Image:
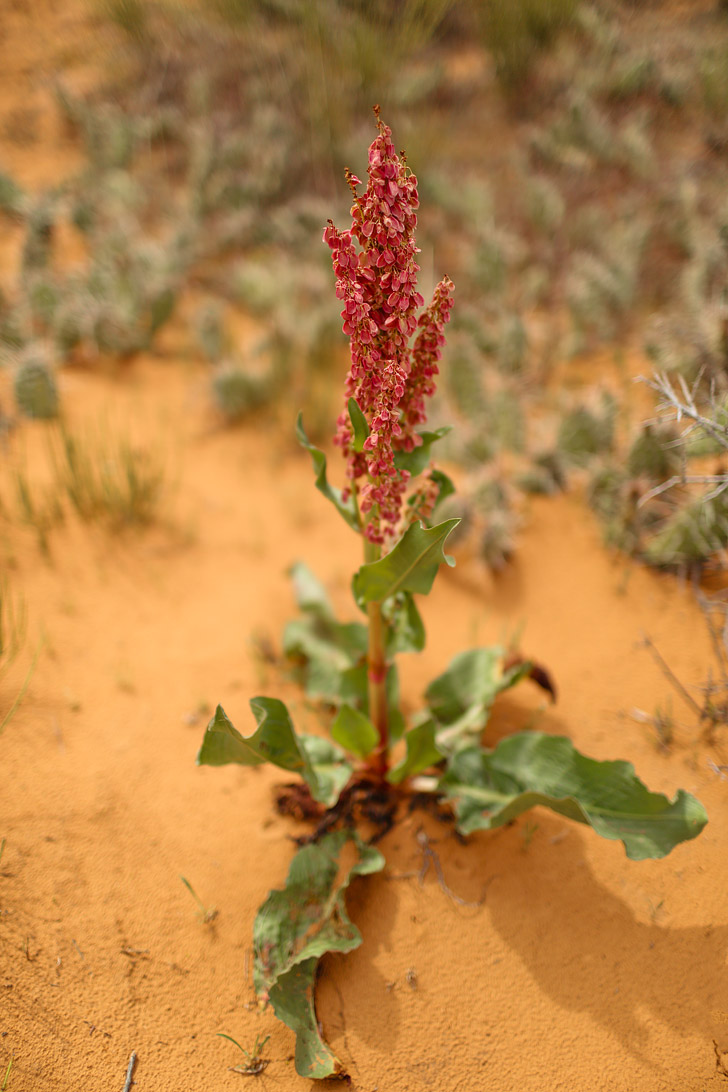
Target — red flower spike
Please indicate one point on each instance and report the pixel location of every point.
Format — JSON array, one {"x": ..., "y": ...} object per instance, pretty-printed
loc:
[{"x": 377, "y": 284}]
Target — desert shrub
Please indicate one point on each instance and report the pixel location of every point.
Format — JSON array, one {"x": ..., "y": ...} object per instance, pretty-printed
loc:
[
  {"x": 34, "y": 384},
  {"x": 237, "y": 393},
  {"x": 210, "y": 330},
  {"x": 585, "y": 432},
  {"x": 515, "y": 33},
  {"x": 12, "y": 198}
]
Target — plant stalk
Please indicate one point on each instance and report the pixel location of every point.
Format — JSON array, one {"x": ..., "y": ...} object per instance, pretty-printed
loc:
[
  {"x": 377, "y": 674},
  {"x": 377, "y": 686}
]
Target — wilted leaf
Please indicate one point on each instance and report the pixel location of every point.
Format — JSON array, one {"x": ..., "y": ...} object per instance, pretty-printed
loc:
[
  {"x": 489, "y": 788},
  {"x": 346, "y": 508},
  {"x": 411, "y": 565},
  {"x": 296, "y": 926},
  {"x": 422, "y": 752}
]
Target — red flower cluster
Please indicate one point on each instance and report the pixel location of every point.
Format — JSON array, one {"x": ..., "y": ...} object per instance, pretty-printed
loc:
[{"x": 377, "y": 284}]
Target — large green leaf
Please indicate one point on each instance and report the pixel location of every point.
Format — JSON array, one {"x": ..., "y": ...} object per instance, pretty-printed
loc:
[
  {"x": 460, "y": 698},
  {"x": 295, "y": 926},
  {"x": 489, "y": 788},
  {"x": 422, "y": 751},
  {"x": 346, "y": 508},
  {"x": 416, "y": 460},
  {"x": 411, "y": 565},
  {"x": 275, "y": 741}
]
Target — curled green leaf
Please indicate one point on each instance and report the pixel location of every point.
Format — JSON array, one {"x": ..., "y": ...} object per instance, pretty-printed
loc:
[
  {"x": 411, "y": 565},
  {"x": 489, "y": 788},
  {"x": 295, "y": 926},
  {"x": 347, "y": 509},
  {"x": 460, "y": 698},
  {"x": 276, "y": 741}
]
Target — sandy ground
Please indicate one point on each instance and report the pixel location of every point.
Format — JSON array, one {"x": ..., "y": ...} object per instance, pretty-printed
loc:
[{"x": 581, "y": 970}]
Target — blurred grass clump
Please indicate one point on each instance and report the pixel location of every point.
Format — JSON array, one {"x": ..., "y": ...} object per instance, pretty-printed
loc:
[{"x": 572, "y": 168}]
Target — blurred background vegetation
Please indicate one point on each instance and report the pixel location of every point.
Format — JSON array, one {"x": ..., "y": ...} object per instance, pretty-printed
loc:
[{"x": 573, "y": 168}]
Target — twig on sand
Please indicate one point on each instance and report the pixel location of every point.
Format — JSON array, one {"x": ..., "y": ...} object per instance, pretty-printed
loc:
[
  {"x": 648, "y": 643},
  {"x": 130, "y": 1072}
]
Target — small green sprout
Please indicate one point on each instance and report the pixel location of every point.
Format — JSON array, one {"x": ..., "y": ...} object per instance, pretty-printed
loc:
[
  {"x": 255, "y": 1064},
  {"x": 207, "y": 914}
]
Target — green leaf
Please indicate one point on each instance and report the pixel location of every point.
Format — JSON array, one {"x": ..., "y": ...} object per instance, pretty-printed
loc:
[
  {"x": 411, "y": 565},
  {"x": 354, "y": 687},
  {"x": 472, "y": 678},
  {"x": 406, "y": 630},
  {"x": 354, "y": 690},
  {"x": 445, "y": 484},
  {"x": 354, "y": 731},
  {"x": 489, "y": 788},
  {"x": 359, "y": 425},
  {"x": 309, "y": 591},
  {"x": 416, "y": 460},
  {"x": 460, "y": 699},
  {"x": 327, "y": 651},
  {"x": 330, "y": 765},
  {"x": 347, "y": 509},
  {"x": 422, "y": 752},
  {"x": 275, "y": 741},
  {"x": 222, "y": 744},
  {"x": 295, "y": 926}
]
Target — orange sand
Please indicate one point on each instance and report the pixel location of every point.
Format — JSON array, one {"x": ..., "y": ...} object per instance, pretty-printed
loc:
[{"x": 582, "y": 969}]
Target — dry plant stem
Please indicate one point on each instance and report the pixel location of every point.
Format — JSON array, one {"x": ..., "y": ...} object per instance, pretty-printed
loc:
[{"x": 130, "y": 1072}]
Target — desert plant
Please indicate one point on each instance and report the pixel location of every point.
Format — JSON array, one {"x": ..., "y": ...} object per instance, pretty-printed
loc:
[
  {"x": 584, "y": 432},
  {"x": 390, "y": 502},
  {"x": 210, "y": 331},
  {"x": 237, "y": 393},
  {"x": 515, "y": 33},
  {"x": 108, "y": 478},
  {"x": 34, "y": 384}
]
